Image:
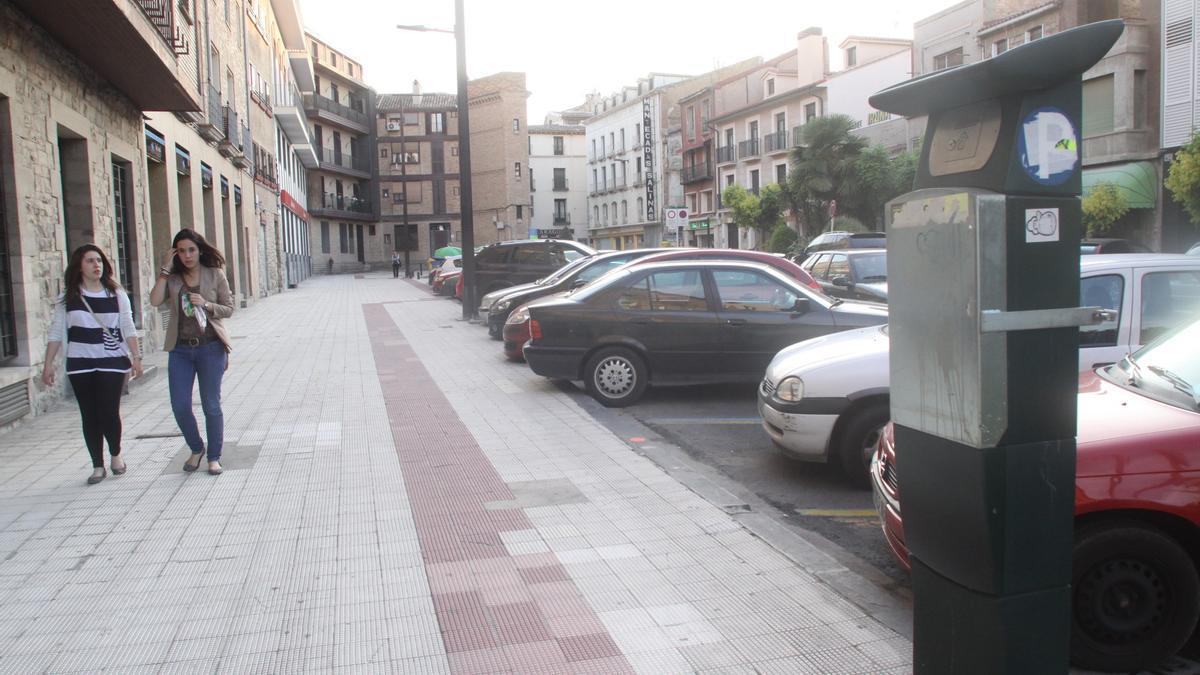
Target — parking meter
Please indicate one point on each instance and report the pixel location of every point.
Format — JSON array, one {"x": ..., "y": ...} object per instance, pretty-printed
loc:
[{"x": 983, "y": 277}]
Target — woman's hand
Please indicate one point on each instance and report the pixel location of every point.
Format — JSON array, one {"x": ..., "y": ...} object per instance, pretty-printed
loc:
[
  {"x": 137, "y": 368},
  {"x": 168, "y": 258},
  {"x": 48, "y": 374},
  {"x": 197, "y": 299}
]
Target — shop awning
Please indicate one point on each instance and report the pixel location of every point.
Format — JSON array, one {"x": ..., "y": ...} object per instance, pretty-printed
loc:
[{"x": 1136, "y": 181}]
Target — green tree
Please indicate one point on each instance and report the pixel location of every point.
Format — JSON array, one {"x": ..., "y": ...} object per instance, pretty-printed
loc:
[
  {"x": 783, "y": 239},
  {"x": 823, "y": 169},
  {"x": 1183, "y": 180},
  {"x": 1103, "y": 207},
  {"x": 761, "y": 212}
]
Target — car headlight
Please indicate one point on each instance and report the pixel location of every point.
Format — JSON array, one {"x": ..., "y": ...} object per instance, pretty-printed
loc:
[
  {"x": 500, "y": 306},
  {"x": 790, "y": 389},
  {"x": 521, "y": 315}
]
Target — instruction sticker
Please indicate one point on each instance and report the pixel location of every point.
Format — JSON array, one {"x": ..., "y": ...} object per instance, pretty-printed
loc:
[
  {"x": 1041, "y": 225},
  {"x": 1048, "y": 146}
]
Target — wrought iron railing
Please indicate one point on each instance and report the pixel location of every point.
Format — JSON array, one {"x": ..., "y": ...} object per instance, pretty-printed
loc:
[
  {"x": 345, "y": 160},
  {"x": 698, "y": 172},
  {"x": 749, "y": 148},
  {"x": 318, "y": 102},
  {"x": 350, "y": 203},
  {"x": 726, "y": 154},
  {"x": 776, "y": 141},
  {"x": 161, "y": 14}
]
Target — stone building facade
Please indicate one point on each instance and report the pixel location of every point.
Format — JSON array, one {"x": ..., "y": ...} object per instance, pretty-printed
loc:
[
  {"x": 558, "y": 180},
  {"x": 499, "y": 157}
]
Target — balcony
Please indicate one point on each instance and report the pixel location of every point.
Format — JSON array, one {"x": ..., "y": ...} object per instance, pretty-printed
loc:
[
  {"x": 231, "y": 141},
  {"x": 333, "y": 159},
  {"x": 145, "y": 53},
  {"x": 777, "y": 142},
  {"x": 343, "y": 206},
  {"x": 561, "y": 219},
  {"x": 726, "y": 155},
  {"x": 242, "y": 159},
  {"x": 292, "y": 120},
  {"x": 331, "y": 111},
  {"x": 696, "y": 173},
  {"x": 211, "y": 126},
  {"x": 749, "y": 149},
  {"x": 561, "y": 186}
]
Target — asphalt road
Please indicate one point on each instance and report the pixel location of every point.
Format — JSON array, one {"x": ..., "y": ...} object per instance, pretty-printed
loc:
[{"x": 719, "y": 426}]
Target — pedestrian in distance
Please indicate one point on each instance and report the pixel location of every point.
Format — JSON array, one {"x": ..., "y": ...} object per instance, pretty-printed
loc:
[
  {"x": 95, "y": 318},
  {"x": 396, "y": 261},
  {"x": 192, "y": 286}
]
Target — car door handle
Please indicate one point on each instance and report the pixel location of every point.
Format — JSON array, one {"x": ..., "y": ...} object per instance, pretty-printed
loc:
[{"x": 735, "y": 322}]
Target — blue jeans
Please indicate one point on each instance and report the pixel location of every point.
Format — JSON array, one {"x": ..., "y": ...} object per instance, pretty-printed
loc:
[{"x": 185, "y": 365}]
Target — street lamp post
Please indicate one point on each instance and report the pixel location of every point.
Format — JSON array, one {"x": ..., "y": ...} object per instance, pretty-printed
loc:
[{"x": 466, "y": 207}]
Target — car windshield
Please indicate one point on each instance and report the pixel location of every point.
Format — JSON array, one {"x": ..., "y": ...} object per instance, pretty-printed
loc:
[
  {"x": 563, "y": 271},
  {"x": 870, "y": 267},
  {"x": 1167, "y": 369}
]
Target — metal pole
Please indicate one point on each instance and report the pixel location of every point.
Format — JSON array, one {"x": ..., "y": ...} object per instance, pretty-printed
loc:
[
  {"x": 466, "y": 208},
  {"x": 404, "y": 187}
]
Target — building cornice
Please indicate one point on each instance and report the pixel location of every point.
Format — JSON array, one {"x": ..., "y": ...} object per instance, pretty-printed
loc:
[{"x": 807, "y": 90}]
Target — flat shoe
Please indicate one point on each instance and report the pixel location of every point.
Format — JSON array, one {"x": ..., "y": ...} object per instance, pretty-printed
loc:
[
  {"x": 92, "y": 480},
  {"x": 217, "y": 471},
  {"x": 118, "y": 472},
  {"x": 189, "y": 467}
]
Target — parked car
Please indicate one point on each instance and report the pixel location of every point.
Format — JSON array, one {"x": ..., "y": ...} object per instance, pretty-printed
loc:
[
  {"x": 509, "y": 263},
  {"x": 489, "y": 299},
  {"x": 1135, "y": 593},
  {"x": 854, "y": 274},
  {"x": 775, "y": 260},
  {"x": 838, "y": 239},
  {"x": 678, "y": 322},
  {"x": 574, "y": 275},
  {"x": 823, "y": 399},
  {"x": 448, "y": 263},
  {"x": 1194, "y": 250},
  {"x": 1110, "y": 245},
  {"x": 447, "y": 283}
]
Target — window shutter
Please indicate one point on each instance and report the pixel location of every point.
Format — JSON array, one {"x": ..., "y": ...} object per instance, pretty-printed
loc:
[
  {"x": 1098, "y": 106},
  {"x": 1178, "y": 68}
]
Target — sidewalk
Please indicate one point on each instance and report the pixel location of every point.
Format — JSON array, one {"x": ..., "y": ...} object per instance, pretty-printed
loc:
[{"x": 397, "y": 498}]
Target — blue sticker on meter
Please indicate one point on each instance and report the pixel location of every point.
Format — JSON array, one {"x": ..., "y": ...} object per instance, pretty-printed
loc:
[{"x": 1048, "y": 146}]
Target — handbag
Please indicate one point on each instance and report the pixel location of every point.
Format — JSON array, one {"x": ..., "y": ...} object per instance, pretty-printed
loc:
[{"x": 111, "y": 342}]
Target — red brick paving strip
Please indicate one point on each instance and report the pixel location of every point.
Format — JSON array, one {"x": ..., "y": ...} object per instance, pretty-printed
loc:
[{"x": 497, "y": 612}]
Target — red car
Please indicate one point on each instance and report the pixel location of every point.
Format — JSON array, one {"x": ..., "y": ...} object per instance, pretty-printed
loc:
[
  {"x": 777, "y": 261},
  {"x": 516, "y": 333},
  {"x": 1134, "y": 578}
]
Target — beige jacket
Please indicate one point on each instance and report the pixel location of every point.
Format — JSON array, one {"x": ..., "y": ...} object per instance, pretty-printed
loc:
[{"x": 218, "y": 304}]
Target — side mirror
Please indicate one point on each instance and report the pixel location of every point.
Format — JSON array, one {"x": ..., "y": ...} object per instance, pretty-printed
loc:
[
  {"x": 801, "y": 306},
  {"x": 842, "y": 281}
]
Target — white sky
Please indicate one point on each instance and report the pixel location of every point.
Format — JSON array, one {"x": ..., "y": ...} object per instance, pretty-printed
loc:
[{"x": 567, "y": 49}]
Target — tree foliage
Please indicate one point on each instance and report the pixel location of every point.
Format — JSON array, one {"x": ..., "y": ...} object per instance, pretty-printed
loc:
[
  {"x": 1183, "y": 179},
  {"x": 1103, "y": 207},
  {"x": 783, "y": 238},
  {"x": 761, "y": 212}
]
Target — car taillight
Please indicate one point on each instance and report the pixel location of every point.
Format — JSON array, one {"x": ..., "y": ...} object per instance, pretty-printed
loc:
[{"x": 535, "y": 330}]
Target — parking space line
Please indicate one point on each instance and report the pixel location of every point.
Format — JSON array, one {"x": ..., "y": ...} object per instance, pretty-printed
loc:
[
  {"x": 702, "y": 420},
  {"x": 838, "y": 513}
]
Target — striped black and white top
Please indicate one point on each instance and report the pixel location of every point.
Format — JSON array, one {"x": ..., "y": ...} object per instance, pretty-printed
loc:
[{"x": 88, "y": 348}]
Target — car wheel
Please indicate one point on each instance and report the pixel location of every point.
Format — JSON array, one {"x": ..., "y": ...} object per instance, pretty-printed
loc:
[
  {"x": 858, "y": 440},
  {"x": 616, "y": 377},
  {"x": 494, "y": 332},
  {"x": 1136, "y": 597}
]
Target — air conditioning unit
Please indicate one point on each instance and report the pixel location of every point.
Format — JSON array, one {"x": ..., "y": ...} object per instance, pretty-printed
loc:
[
  {"x": 394, "y": 125},
  {"x": 499, "y": 224}
]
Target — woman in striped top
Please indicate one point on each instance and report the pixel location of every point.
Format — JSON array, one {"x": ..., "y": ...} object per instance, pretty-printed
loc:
[{"x": 96, "y": 320}]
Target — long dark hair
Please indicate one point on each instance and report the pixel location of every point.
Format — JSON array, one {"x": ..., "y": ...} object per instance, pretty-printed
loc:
[
  {"x": 73, "y": 277},
  {"x": 209, "y": 255}
]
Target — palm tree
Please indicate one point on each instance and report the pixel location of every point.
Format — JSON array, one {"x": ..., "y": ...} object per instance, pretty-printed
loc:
[{"x": 823, "y": 169}]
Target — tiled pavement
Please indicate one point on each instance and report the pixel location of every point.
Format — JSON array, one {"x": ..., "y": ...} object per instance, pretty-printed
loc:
[{"x": 397, "y": 498}]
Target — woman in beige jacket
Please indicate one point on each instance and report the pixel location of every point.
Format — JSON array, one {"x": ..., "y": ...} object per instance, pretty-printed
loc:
[{"x": 193, "y": 288}]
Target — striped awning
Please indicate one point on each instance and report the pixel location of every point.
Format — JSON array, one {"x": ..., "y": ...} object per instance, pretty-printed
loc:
[{"x": 1136, "y": 181}]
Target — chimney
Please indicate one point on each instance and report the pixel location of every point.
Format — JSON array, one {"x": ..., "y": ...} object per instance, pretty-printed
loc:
[{"x": 416, "y": 88}]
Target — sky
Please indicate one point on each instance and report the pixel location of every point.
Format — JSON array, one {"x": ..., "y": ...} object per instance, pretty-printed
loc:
[{"x": 567, "y": 49}]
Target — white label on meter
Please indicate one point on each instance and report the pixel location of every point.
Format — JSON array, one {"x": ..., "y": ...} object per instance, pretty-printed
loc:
[{"x": 1041, "y": 225}]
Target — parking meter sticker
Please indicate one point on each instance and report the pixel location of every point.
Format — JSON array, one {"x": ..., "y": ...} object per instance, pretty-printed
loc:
[
  {"x": 1048, "y": 145},
  {"x": 1041, "y": 225}
]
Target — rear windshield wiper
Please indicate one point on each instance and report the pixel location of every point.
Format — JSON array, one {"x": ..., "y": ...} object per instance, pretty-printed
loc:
[{"x": 1176, "y": 381}]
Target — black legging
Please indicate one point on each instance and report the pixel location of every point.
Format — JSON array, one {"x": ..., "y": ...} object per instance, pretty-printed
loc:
[{"x": 99, "y": 396}]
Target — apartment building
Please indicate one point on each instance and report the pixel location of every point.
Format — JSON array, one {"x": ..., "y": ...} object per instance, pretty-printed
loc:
[
  {"x": 696, "y": 175},
  {"x": 557, "y": 180},
  {"x": 343, "y": 190},
  {"x": 872, "y": 64},
  {"x": 417, "y": 138},
  {"x": 499, "y": 157}
]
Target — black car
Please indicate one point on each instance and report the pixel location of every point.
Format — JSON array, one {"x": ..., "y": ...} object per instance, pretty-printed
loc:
[
  {"x": 685, "y": 322},
  {"x": 509, "y": 263},
  {"x": 1111, "y": 245},
  {"x": 837, "y": 239},
  {"x": 854, "y": 274},
  {"x": 573, "y": 275}
]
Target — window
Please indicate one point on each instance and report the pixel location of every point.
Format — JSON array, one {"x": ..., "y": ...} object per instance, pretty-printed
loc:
[
  {"x": 343, "y": 237},
  {"x": 851, "y": 57},
  {"x": 839, "y": 266},
  {"x": 560, "y": 178},
  {"x": 781, "y": 173},
  {"x": 999, "y": 46},
  {"x": 595, "y": 215},
  {"x": 622, "y": 140},
  {"x": 810, "y": 111},
  {"x": 754, "y": 181},
  {"x": 752, "y": 292},
  {"x": 454, "y": 151},
  {"x": 324, "y": 223},
  {"x": 333, "y": 58},
  {"x": 520, "y": 212},
  {"x": 516, "y": 125},
  {"x": 516, "y": 169},
  {"x": 383, "y": 152},
  {"x": 1034, "y": 33},
  {"x": 754, "y": 130},
  {"x": 691, "y": 121},
  {"x": 771, "y": 87},
  {"x": 604, "y": 214},
  {"x": 676, "y": 291},
  {"x": 558, "y": 145},
  {"x": 624, "y": 212},
  {"x": 640, "y": 209},
  {"x": 560, "y": 209},
  {"x": 437, "y": 123},
  {"x": 1098, "y": 98},
  {"x": 1105, "y": 291},
  {"x": 1168, "y": 300},
  {"x": 949, "y": 59},
  {"x": 533, "y": 255},
  {"x": 781, "y": 121}
]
